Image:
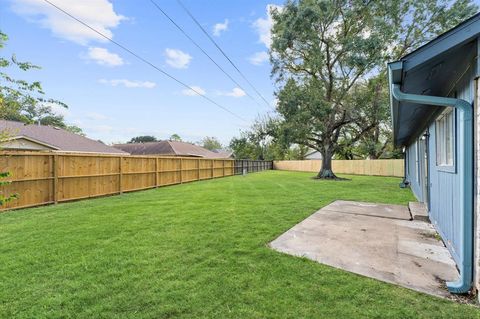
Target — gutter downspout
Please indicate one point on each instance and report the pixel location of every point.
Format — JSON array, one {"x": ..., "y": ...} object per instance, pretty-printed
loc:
[
  {"x": 404, "y": 183},
  {"x": 464, "y": 284}
]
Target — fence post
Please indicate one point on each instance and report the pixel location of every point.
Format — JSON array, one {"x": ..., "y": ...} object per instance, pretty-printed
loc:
[
  {"x": 55, "y": 179},
  {"x": 223, "y": 167},
  {"x": 181, "y": 171},
  {"x": 198, "y": 169},
  {"x": 156, "y": 172},
  {"x": 213, "y": 164},
  {"x": 120, "y": 175}
]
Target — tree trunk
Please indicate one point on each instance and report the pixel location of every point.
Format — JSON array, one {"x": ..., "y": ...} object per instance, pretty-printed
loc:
[{"x": 326, "y": 171}]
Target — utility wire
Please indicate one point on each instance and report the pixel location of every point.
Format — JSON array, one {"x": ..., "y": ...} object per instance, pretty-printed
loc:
[
  {"x": 200, "y": 48},
  {"x": 220, "y": 49},
  {"x": 145, "y": 61}
]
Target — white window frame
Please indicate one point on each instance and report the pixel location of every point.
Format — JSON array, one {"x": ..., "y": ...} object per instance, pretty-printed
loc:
[{"x": 445, "y": 140}]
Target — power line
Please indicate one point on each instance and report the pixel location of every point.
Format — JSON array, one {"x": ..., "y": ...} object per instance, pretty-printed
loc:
[
  {"x": 145, "y": 61},
  {"x": 220, "y": 49},
  {"x": 200, "y": 48}
]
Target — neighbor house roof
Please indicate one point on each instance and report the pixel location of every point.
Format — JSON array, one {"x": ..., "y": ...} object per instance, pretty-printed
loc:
[
  {"x": 168, "y": 148},
  {"x": 223, "y": 153},
  {"x": 55, "y": 139},
  {"x": 431, "y": 70}
]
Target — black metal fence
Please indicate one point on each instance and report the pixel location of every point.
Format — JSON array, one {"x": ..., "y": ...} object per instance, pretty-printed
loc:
[{"x": 251, "y": 166}]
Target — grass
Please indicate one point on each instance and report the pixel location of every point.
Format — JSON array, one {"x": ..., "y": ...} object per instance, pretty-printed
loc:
[{"x": 196, "y": 250}]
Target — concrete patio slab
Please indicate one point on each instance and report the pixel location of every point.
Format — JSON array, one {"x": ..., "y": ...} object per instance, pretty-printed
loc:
[
  {"x": 377, "y": 241},
  {"x": 370, "y": 209}
]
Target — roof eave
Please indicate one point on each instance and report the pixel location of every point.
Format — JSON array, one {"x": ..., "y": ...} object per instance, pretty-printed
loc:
[{"x": 34, "y": 140}]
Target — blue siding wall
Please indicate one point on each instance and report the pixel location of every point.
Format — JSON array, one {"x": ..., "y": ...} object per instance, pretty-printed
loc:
[
  {"x": 445, "y": 197},
  {"x": 445, "y": 200}
]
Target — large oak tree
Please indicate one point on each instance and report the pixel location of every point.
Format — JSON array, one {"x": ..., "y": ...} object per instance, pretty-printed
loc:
[{"x": 323, "y": 51}]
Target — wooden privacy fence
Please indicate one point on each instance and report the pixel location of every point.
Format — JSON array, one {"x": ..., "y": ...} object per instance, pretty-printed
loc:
[
  {"x": 46, "y": 178},
  {"x": 251, "y": 166},
  {"x": 380, "y": 167}
]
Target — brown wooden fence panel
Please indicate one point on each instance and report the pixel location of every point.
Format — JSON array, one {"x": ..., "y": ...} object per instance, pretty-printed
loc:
[
  {"x": 44, "y": 178},
  {"x": 382, "y": 167}
]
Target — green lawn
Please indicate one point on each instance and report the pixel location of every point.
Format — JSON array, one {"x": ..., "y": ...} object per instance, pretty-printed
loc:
[{"x": 196, "y": 250}]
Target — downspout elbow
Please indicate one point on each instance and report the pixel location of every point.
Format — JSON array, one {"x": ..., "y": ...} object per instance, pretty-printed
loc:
[{"x": 464, "y": 283}]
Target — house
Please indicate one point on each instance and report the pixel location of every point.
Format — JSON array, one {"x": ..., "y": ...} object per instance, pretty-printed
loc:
[
  {"x": 223, "y": 153},
  {"x": 33, "y": 137},
  {"x": 169, "y": 148},
  {"x": 434, "y": 93},
  {"x": 313, "y": 155}
]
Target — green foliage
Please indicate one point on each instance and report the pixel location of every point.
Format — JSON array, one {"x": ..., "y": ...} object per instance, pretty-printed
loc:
[
  {"x": 75, "y": 130},
  {"x": 263, "y": 141},
  {"x": 5, "y": 198},
  {"x": 421, "y": 22},
  {"x": 143, "y": 139},
  {"x": 376, "y": 141},
  {"x": 210, "y": 143},
  {"x": 328, "y": 59},
  {"x": 417, "y": 22},
  {"x": 4, "y": 175},
  {"x": 320, "y": 51},
  {"x": 25, "y": 101},
  {"x": 175, "y": 137},
  {"x": 243, "y": 148}
]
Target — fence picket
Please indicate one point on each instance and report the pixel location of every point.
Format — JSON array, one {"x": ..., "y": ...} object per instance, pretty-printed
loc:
[
  {"x": 41, "y": 178},
  {"x": 384, "y": 167}
]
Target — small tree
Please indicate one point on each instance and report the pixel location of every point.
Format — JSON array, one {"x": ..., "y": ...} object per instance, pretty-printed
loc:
[
  {"x": 263, "y": 141},
  {"x": 175, "y": 137},
  {"x": 210, "y": 143}
]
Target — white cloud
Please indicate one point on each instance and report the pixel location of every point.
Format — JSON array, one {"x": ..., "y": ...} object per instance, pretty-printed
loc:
[
  {"x": 96, "y": 116},
  {"x": 220, "y": 27},
  {"x": 100, "y": 14},
  {"x": 177, "y": 58},
  {"x": 104, "y": 57},
  {"x": 189, "y": 92},
  {"x": 129, "y": 84},
  {"x": 235, "y": 92},
  {"x": 263, "y": 26},
  {"x": 259, "y": 58}
]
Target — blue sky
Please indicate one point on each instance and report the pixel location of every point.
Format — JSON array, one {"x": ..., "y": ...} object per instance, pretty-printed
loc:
[{"x": 113, "y": 96}]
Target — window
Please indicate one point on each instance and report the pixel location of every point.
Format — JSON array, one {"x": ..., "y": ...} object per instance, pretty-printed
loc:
[{"x": 444, "y": 136}]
